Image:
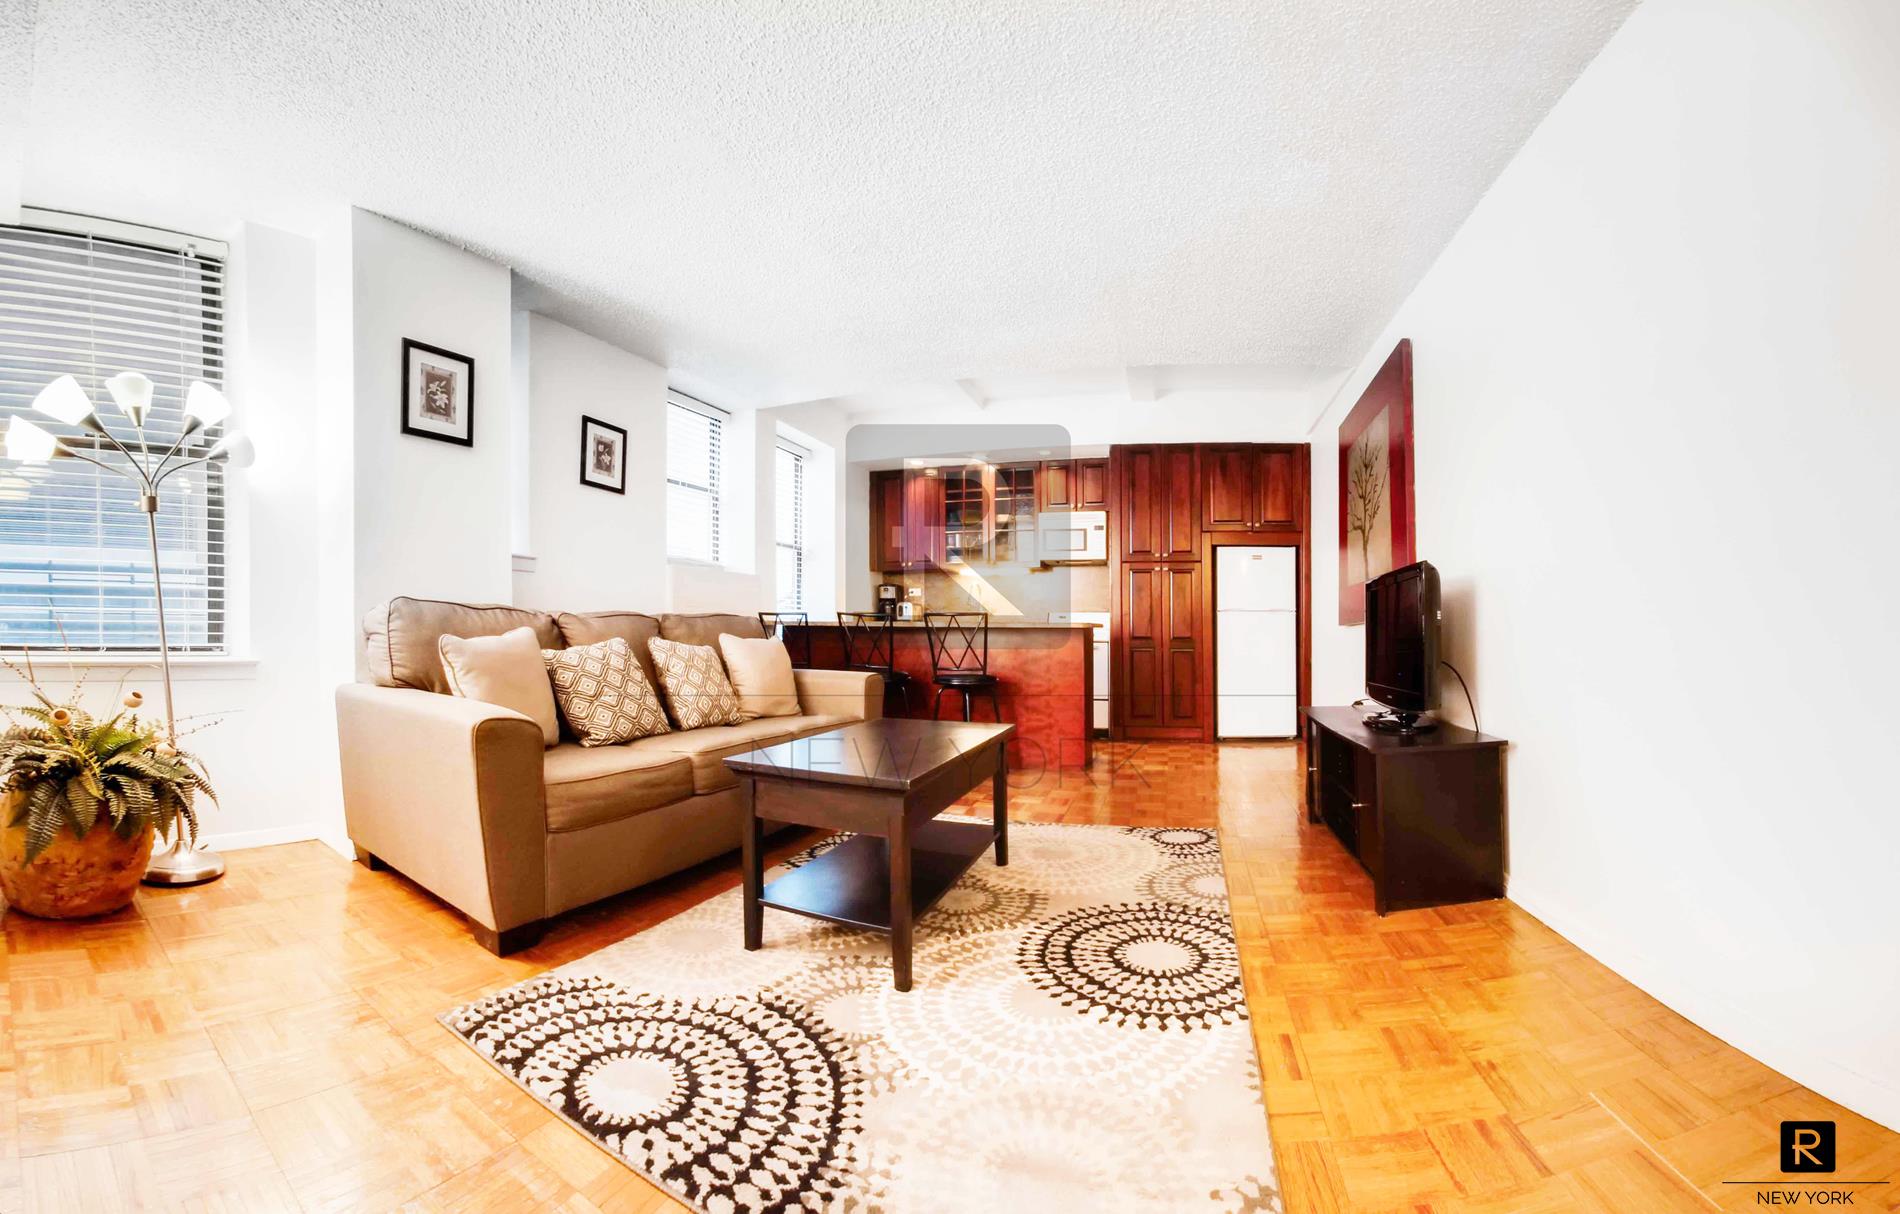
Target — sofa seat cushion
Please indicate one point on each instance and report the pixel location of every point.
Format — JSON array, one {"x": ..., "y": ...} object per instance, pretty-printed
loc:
[
  {"x": 589, "y": 785},
  {"x": 707, "y": 748}
]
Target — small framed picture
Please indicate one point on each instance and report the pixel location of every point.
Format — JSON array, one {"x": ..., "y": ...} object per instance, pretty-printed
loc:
[
  {"x": 603, "y": 455},
  {"x": 438, "y": 394}
]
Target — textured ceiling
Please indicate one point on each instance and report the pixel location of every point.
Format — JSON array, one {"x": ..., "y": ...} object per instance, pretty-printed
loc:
[{"x": 809, "y": 197}]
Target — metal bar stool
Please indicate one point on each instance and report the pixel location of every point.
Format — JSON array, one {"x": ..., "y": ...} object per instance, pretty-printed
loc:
[
  {"x": 774, "y": 623},
  {"x": 960, "y": 658},
  {"x": 870, "y": 644}
]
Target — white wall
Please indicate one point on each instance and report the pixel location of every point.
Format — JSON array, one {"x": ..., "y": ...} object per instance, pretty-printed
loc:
[
  {"x": 396, "y": 514},
  {"x": 592, "y": 548},
  {"x": 432, "y": 519},
  {"x": 1656, "y": 415}
]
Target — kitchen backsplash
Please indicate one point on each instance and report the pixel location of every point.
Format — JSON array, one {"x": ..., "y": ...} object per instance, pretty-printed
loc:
[{"x": 1012, "y": 590}]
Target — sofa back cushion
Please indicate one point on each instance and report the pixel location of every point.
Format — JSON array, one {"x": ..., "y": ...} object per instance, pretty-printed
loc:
[
  {"x": 706, "y": 629},
  {"x": 593, "y": 627},
  {"x": 400, "y": 638}
]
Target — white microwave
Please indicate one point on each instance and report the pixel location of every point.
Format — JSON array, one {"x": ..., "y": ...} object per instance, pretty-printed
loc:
[{"x": 1072, "y": 537}]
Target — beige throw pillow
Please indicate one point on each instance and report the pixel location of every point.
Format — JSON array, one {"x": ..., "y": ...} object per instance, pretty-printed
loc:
[
  {"x": 761, "y": 673},
  {"x": 504, "y": 670},
  {"x": 603, "y": 693},
  {"x": 697, "y": 691}
]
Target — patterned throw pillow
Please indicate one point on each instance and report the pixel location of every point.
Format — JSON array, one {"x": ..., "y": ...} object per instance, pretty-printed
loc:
[
  {"x": 603, "y": 693},
  {"x": 697, "y": 690}
]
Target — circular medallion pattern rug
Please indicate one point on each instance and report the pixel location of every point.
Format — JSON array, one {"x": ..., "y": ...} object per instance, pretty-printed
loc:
[{"x": 1076, "y": 1038}]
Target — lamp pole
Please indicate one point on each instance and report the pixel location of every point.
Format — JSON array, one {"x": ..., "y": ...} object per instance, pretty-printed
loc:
[
  {"x": 182, "y": 863},
  {"x": 148, "y": 502}
]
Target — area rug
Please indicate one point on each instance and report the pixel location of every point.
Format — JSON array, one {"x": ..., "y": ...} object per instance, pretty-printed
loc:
[{"x": 1076, "y": 1039}]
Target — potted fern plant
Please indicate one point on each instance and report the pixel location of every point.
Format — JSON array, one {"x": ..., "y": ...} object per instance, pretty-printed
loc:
[{"x": 82, "y": 800}]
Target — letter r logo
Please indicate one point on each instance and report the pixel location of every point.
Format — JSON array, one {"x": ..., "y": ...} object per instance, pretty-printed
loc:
[{"x": 1807, "y": 1146}]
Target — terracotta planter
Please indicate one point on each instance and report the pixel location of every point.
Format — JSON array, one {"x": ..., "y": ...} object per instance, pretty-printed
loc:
[{"x": 73, "y": 878}]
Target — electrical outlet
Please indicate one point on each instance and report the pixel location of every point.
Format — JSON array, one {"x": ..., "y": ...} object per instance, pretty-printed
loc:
[{"x": 915, "y": 592}]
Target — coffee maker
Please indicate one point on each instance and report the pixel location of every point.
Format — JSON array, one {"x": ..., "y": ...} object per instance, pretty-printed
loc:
[{"x": 889, "y": 594}]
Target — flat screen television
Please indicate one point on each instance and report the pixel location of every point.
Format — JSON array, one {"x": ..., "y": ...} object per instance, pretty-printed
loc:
[{"x": 1402, "y": 644}]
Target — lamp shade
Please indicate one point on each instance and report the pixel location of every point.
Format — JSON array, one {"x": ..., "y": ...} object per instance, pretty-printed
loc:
[
  {"x": 132, "y": 392},
  {"x": 28, "y": 443},
  {"x": 235, "y": 449},
  {"x": 64, "y": 400},
  {"x": 206, "y": 405}
]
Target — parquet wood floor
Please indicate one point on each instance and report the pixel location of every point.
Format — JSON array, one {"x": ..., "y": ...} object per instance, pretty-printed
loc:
[{"x": 268, "y": 1042}]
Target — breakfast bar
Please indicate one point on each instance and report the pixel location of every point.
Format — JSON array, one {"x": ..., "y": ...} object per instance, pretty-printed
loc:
[{"x": 1044, "y": 678}]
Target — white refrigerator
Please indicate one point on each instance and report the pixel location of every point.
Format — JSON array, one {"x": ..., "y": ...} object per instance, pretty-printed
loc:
[{"x": 1256, "y": 642}]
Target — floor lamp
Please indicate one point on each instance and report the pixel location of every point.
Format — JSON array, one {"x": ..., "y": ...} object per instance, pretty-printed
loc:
[{"x": 64, "y": 400}]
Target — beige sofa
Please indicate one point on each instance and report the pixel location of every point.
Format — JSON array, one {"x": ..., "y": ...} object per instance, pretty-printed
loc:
[{"x": 462, "y": 798}]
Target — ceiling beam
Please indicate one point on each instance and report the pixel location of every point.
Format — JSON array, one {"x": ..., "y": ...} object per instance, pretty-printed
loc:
[
  {"x": 1141, "y": 384},
  {"x": 970, "y": 389}
]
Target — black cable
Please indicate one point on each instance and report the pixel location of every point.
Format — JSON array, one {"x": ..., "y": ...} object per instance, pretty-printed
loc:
[{"x": 1468, "y": 701}]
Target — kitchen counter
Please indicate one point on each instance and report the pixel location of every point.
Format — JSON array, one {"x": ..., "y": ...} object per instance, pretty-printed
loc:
[{"x": 1045, "y": 681}]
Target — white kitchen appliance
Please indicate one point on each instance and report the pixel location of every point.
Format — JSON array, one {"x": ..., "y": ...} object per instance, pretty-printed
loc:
[
  {"x": 1098, "y": 653},
  {"x": 1256, "y": 642},
  {"x": 1072, "y": 537}
]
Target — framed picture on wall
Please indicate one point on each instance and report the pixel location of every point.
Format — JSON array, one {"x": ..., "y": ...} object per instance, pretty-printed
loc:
[
  {"x": 438, "y": 394},
  {"x": 1376, "y": 529},
  {"x": 603, "y": 455}
]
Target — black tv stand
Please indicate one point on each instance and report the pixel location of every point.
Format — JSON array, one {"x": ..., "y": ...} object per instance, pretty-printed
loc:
[{"x": 1422, "y": 812}]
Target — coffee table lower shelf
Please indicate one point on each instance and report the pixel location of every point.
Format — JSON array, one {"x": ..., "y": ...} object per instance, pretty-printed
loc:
[{"x": 851, "y": 883}]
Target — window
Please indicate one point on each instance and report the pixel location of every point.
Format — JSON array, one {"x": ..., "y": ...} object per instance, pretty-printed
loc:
[
  {"x": 75, "y": 565},
  {"x": 692, "y": 479},
  {"x": 790, "y": 511}
]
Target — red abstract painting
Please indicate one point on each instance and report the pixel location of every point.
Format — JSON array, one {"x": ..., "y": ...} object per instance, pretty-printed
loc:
[{"x": 1376, "y": 531}]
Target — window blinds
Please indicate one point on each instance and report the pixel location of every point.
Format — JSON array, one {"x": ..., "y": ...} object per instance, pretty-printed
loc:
[
  {"x": 693, "y": 438},
  {"x": 75, "y": 566},
  {"x": 789, "y": 512}
]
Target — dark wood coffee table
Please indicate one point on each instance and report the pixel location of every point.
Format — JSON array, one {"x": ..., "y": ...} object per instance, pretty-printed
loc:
[{"x": 883, "y": 781}]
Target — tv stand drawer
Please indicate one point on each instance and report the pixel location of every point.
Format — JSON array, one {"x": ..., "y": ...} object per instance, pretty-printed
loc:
[{"x": 1339, "y": 809}]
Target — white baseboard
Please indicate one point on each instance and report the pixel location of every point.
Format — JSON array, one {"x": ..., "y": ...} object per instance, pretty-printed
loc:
[
  {"x": 269, "y": 837},
  {"x": 1738, "y": 1026}
]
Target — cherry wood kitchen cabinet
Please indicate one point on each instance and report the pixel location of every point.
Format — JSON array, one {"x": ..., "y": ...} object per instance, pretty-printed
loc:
[
  {"x": 1091, "y": 484},
  {"x": 923, "y": 521},
  {"x": 887, "y": 521},
  {"x": 1173, "y": 507},
  {"x": 1228, "y": 499},
  {"x": 1072, "y": 484},
  {"x": 907, "y": 521},
  {"x": 1157, "y": 684},
  {"x": 1158, "y": 495},
  {"x": 1055, "y": 486},
  {"x": 1253, "y": 487},
  {"x": 1280, "y": 487}
]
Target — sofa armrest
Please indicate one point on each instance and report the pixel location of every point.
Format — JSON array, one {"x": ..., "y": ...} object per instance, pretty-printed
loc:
[
  {"x": 856, "y": 693},
  {"x": 449, "y": 792}
]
